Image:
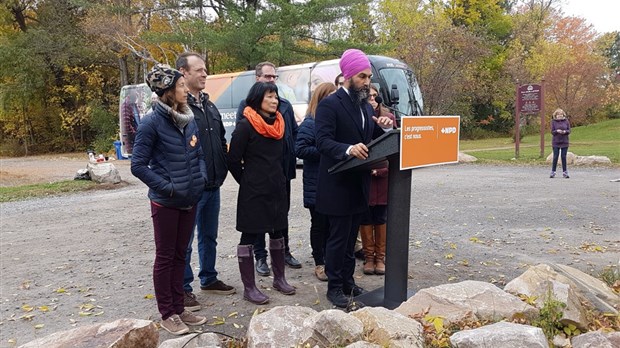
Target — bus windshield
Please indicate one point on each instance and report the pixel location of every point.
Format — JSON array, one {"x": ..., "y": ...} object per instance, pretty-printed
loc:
[{"x": 406, "y": 101}]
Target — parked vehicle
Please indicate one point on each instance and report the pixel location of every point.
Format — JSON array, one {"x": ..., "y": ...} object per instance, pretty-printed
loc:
[{"x": 396, "y": 83}]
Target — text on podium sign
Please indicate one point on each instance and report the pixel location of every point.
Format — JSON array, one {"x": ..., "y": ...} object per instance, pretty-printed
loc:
[{"x": 429, "y": 140}]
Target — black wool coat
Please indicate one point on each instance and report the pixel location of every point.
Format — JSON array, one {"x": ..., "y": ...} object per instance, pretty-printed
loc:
[
  {"x": 255, "y": 162},
  {"x": 338, "y": 124}
]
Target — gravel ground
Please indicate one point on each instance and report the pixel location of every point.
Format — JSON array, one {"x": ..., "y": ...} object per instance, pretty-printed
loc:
[{"x": 87, "y": 258}]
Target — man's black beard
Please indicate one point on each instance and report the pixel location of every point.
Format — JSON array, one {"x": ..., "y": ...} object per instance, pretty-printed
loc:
[{"x": 359, "y": 95}]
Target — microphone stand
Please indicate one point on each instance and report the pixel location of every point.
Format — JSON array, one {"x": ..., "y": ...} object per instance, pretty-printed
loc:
[{"x": 379, "y": 100}]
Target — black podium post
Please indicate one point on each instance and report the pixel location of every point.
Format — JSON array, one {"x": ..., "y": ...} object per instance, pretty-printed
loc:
[{"x": 394, "y": 291}]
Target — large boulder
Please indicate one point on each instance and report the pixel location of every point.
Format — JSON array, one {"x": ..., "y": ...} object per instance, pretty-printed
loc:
[
  {"x": 544, "y": 284},
  {"x": 330, "y": 328},
  {"x": 104, "y": 172},
  {"x": 593, "y": 339},
  {"x": 591, "y": 160},
  {"x": 390, "y": 329},
  {"x": 195, "y": 340},
  {"x": 281, "y": 326},
  {"x": 467, "y": 300},
  {"x": 465, "y": 158},
  {"x": 500, "y": 334},
  {"x": 534, "y": 283},
  {"x": 570, "y": 158},
  {"x": 122, "y": 333}
]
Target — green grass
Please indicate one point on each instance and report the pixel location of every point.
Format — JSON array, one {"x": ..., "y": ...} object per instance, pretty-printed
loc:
[
  {"x": 15, "y": 193},
  {"x": 600, "y": 139}
]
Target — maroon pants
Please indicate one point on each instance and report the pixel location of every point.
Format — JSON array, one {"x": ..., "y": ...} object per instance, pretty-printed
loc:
[{"x": 173, "y": 228}]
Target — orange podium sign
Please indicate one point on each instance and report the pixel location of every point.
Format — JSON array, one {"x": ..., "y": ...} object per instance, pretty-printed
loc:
[{"x": 429, "y": 140}]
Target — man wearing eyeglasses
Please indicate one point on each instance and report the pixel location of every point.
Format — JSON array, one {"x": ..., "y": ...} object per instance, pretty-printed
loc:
[{"x": 266, "y": 72}]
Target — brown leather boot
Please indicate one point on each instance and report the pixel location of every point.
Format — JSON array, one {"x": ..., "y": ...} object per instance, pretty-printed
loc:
[
  {"x": 380, "y": 240},
  {"x": 368, "y": 245}
]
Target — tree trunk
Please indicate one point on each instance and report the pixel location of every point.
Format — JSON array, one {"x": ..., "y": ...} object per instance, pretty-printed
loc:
[{"x": 122, "y": 65}]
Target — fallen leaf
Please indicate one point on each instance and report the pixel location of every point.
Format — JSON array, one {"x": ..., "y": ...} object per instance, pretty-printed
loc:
[
  {"x": 27, "y": 308},
  {"x": 39, "y": 326},
  {"x": 233, "y": 314},
  {"x": 43, "y": 308},
  {"x": 149, "y": 296},
  {"x": 449, "y": 256}
]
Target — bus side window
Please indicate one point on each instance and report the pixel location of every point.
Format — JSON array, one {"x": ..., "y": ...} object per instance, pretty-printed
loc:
[
  {"x": 241, "y": 86},
  {"x": 293, "y": 84}
]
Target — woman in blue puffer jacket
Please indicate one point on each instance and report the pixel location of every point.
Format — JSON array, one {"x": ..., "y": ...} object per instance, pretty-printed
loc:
[
  {"x": 168, "y": 158},
  {"x": 305, "y": 148}
]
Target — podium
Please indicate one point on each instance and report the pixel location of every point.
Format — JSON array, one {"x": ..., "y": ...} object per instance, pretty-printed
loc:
[{"x": 387, "y": 146}]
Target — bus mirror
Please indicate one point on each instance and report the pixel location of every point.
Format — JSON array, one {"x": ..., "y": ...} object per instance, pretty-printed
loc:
[{"x": 394, "y": 96}]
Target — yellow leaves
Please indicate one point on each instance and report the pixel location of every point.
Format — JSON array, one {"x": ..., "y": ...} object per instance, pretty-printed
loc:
[
  {"x": 88, "y": 309},
  {"x": 60, "y": 291},
  {"x": 475, "y": 240},
  {"x": 571, "y": 330},
  {"x": 43, "y": 308},
  {"x": 449, "y": 256},
  {"x": 464, "y": 263},
  {"x": 39, "y": 326},
  {"x": 452, "y": 246},
  {"x": 149, "y": 296},
  {"x": 233, "y": 314},
  {"x": 531, "y": 300},
  {"x": 436, "y": 321},
  {"x": 27, "y": 308},
  {"x": 218, "y": 321},
  {"x": 591, "y": 247}
]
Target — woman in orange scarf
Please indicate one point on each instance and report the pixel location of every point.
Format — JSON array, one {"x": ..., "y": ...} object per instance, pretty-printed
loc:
[{"x": 255, "y": 161}]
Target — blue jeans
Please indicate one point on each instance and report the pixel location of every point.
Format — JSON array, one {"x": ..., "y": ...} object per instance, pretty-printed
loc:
[
  {"x": 559, "y": 152},
  {"x": 207, "y": 218}
]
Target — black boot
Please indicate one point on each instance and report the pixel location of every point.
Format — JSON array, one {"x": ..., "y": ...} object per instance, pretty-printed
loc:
[
  {"x": 276, "y": 250},
  {"x": 246, "y": 268}
]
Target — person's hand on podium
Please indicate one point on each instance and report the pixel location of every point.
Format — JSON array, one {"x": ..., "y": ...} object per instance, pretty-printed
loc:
[{"x": 359, "y": 151}]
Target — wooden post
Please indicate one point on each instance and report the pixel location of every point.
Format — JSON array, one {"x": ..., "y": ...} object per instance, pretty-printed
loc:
[
  {"x": 517, "y": 123},
  {"x": 542, "y": 118}
]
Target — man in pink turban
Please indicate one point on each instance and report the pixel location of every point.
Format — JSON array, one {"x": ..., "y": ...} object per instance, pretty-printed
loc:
[{"x": 345, "y": 122}]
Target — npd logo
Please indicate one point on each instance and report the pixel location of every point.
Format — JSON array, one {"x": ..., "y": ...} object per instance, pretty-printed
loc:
[{"x": 448, "y": 130}]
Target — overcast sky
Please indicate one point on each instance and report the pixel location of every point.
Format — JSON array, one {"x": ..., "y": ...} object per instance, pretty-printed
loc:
[{"x": 604, "y": 15}]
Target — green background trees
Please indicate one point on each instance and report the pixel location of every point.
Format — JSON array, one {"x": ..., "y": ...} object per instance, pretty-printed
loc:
[{"x": 62, "y": 62}]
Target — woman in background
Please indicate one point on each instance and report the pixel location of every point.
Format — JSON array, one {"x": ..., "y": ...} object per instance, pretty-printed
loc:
[
  {"x": 305, "y": 148},
  {"x": 560, "y": 128},
  {"x": 373, "y": 228}
]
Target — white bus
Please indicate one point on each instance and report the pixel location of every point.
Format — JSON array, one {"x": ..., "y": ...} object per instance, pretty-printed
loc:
[{"x": 396, "y": 83}]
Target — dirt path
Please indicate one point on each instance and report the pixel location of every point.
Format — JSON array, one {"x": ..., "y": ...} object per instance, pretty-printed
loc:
[{"x": 87, "y": 258}]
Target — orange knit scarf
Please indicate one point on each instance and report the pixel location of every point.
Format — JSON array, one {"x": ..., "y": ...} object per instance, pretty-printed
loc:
[{"x": 275, "y": 131}]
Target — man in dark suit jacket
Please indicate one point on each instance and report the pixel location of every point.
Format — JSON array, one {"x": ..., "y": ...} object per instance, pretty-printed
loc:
[{"x": 344, "y": 124}]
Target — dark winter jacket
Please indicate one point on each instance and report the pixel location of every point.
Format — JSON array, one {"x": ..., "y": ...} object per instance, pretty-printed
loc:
[
  {"x": 560, "y": 140},
  {"x": 169, "y": 162},
  {"x": 305, "y": 148},
  {"x": 212, "y": 138},
  {"x": 290, "y": 134},
  {"x": 255, "y": 162}
]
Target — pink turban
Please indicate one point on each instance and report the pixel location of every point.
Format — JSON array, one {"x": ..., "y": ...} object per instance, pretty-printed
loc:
[{"x": 352, "y": 62}]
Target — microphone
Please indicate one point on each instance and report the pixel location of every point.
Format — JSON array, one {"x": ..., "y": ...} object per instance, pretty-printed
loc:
[{"x": 379, "y": 100}]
